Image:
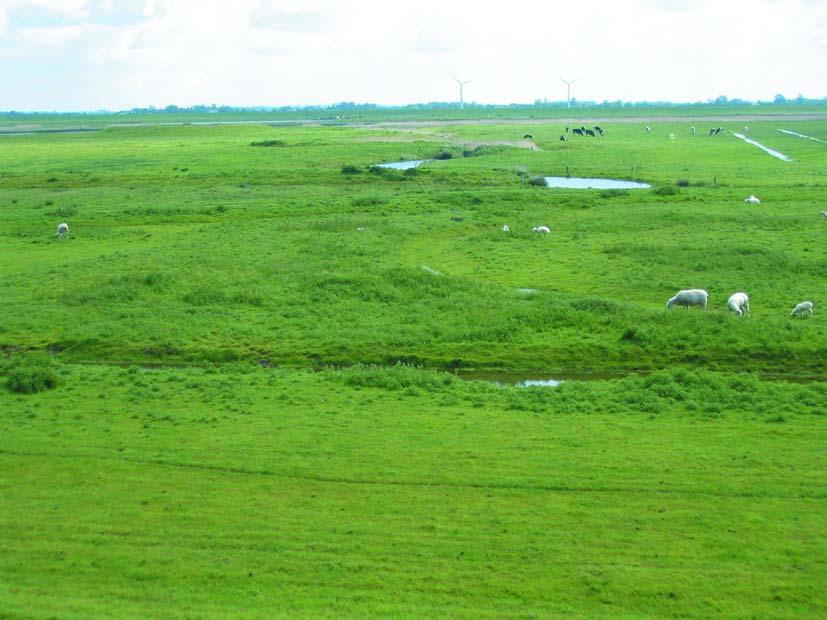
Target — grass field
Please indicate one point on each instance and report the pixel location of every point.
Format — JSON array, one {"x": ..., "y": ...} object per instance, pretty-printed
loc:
[{"x": 243, "y": 403}]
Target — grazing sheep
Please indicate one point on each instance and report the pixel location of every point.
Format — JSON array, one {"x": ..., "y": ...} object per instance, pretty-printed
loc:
[
  {"x": 738, "y": 302},
  {"x": 541, "y": 229},
  {"x": 689, "y": 297},
  {"x": 752, "y": 200},
  {"x": 506, "y": 228},
  {"x": 805, "y": 307},
  {"x": 62, "y": 230}
]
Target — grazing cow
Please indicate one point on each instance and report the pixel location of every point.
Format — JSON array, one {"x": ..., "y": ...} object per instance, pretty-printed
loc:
[
  {"x": 62, "y": 230},
  {"x": 506, "y": 228},
  {"x": 648, "y": 129},
  {"x": 528, "y": 136},
  {"x": 802, "y": 309},
  {"x": 541, "y": 229},
  {"x": 567, "y": 128},
  {"x": 752, "y": 200},
  {"x": 738, "y": 302},
  {"x": 693, "y": 130},
  {"x": 598, "y": 129},
  {"x": 824, "y": 213},
  {"x": 689, "y": 297},
  {"x": 563, "y": 138},
  {"x": 577, "y": 131},
  {"x": 712, "y": 132},
  {"x": 588, "y": 132},
  {"x": 719, "y": 130}
]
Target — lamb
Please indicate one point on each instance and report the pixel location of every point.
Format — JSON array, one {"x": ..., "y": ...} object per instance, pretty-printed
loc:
[
  {"x": 738, "y": 302},
  {"x": 689, "y": 297},
  {"x": 752, "y": 200},
  {"x": 805, "y": 307},
  {"x": 541, "y": 229},
  {"x": 62, "y": 230}
]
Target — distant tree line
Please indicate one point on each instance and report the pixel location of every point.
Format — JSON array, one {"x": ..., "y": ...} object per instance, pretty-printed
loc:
[{"x": 350, "y": 107}]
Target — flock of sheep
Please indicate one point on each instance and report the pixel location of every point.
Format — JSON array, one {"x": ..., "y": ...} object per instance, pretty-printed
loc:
[{"x": 737, "y": 302}]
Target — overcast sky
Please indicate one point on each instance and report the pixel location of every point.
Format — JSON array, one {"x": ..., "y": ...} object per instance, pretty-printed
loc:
[{"x": 117, "y": 54}]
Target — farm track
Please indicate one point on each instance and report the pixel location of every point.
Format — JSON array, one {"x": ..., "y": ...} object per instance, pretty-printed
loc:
[
  {"x": 655, "y": 118},
  {"x": 541, "y": 488}
]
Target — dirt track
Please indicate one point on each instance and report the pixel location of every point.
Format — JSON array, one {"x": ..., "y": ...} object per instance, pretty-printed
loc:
[{"x": 600, "y": 119}]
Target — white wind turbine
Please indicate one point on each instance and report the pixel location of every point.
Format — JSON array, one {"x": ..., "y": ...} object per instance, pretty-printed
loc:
[
  {"x": 568, "y": 84},
  {"x": 461, "y": 84}
]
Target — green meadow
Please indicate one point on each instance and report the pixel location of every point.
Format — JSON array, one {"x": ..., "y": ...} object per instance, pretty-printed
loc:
[{"x": 233, "y": 390}]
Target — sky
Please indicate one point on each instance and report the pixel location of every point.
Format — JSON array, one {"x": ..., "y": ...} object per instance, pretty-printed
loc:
[{"x": 78, "y": 55}]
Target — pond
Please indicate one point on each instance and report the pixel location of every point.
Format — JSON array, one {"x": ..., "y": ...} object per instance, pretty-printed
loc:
[
  {"x": 583, "y": 183},
  {"x": 403, "y": 165}
]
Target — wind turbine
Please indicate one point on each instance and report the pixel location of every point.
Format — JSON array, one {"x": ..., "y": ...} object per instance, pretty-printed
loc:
[
  {"x": 461, "y": 84},
  {"x": 568, "y": 84}
]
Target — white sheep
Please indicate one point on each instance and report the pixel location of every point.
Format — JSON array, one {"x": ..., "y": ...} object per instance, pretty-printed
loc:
[
  {"x": 541, "y": 229},
  {"x": 752, "y": 200},
  {"x": 738, "y": 302},
  {"x": 506, "y": 228},
  {"x": 805, "y": 307},
  {"x": 62, "y": 230},
  {"x": 689, "y": 297}
]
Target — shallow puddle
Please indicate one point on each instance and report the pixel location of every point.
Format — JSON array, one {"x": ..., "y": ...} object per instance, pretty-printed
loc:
[
  {"x": 529, "y": 379},
  {"x": 403, "y": 165},
  {"x": 777, "y": 154},
  {"x": 583, "y": 183}
]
